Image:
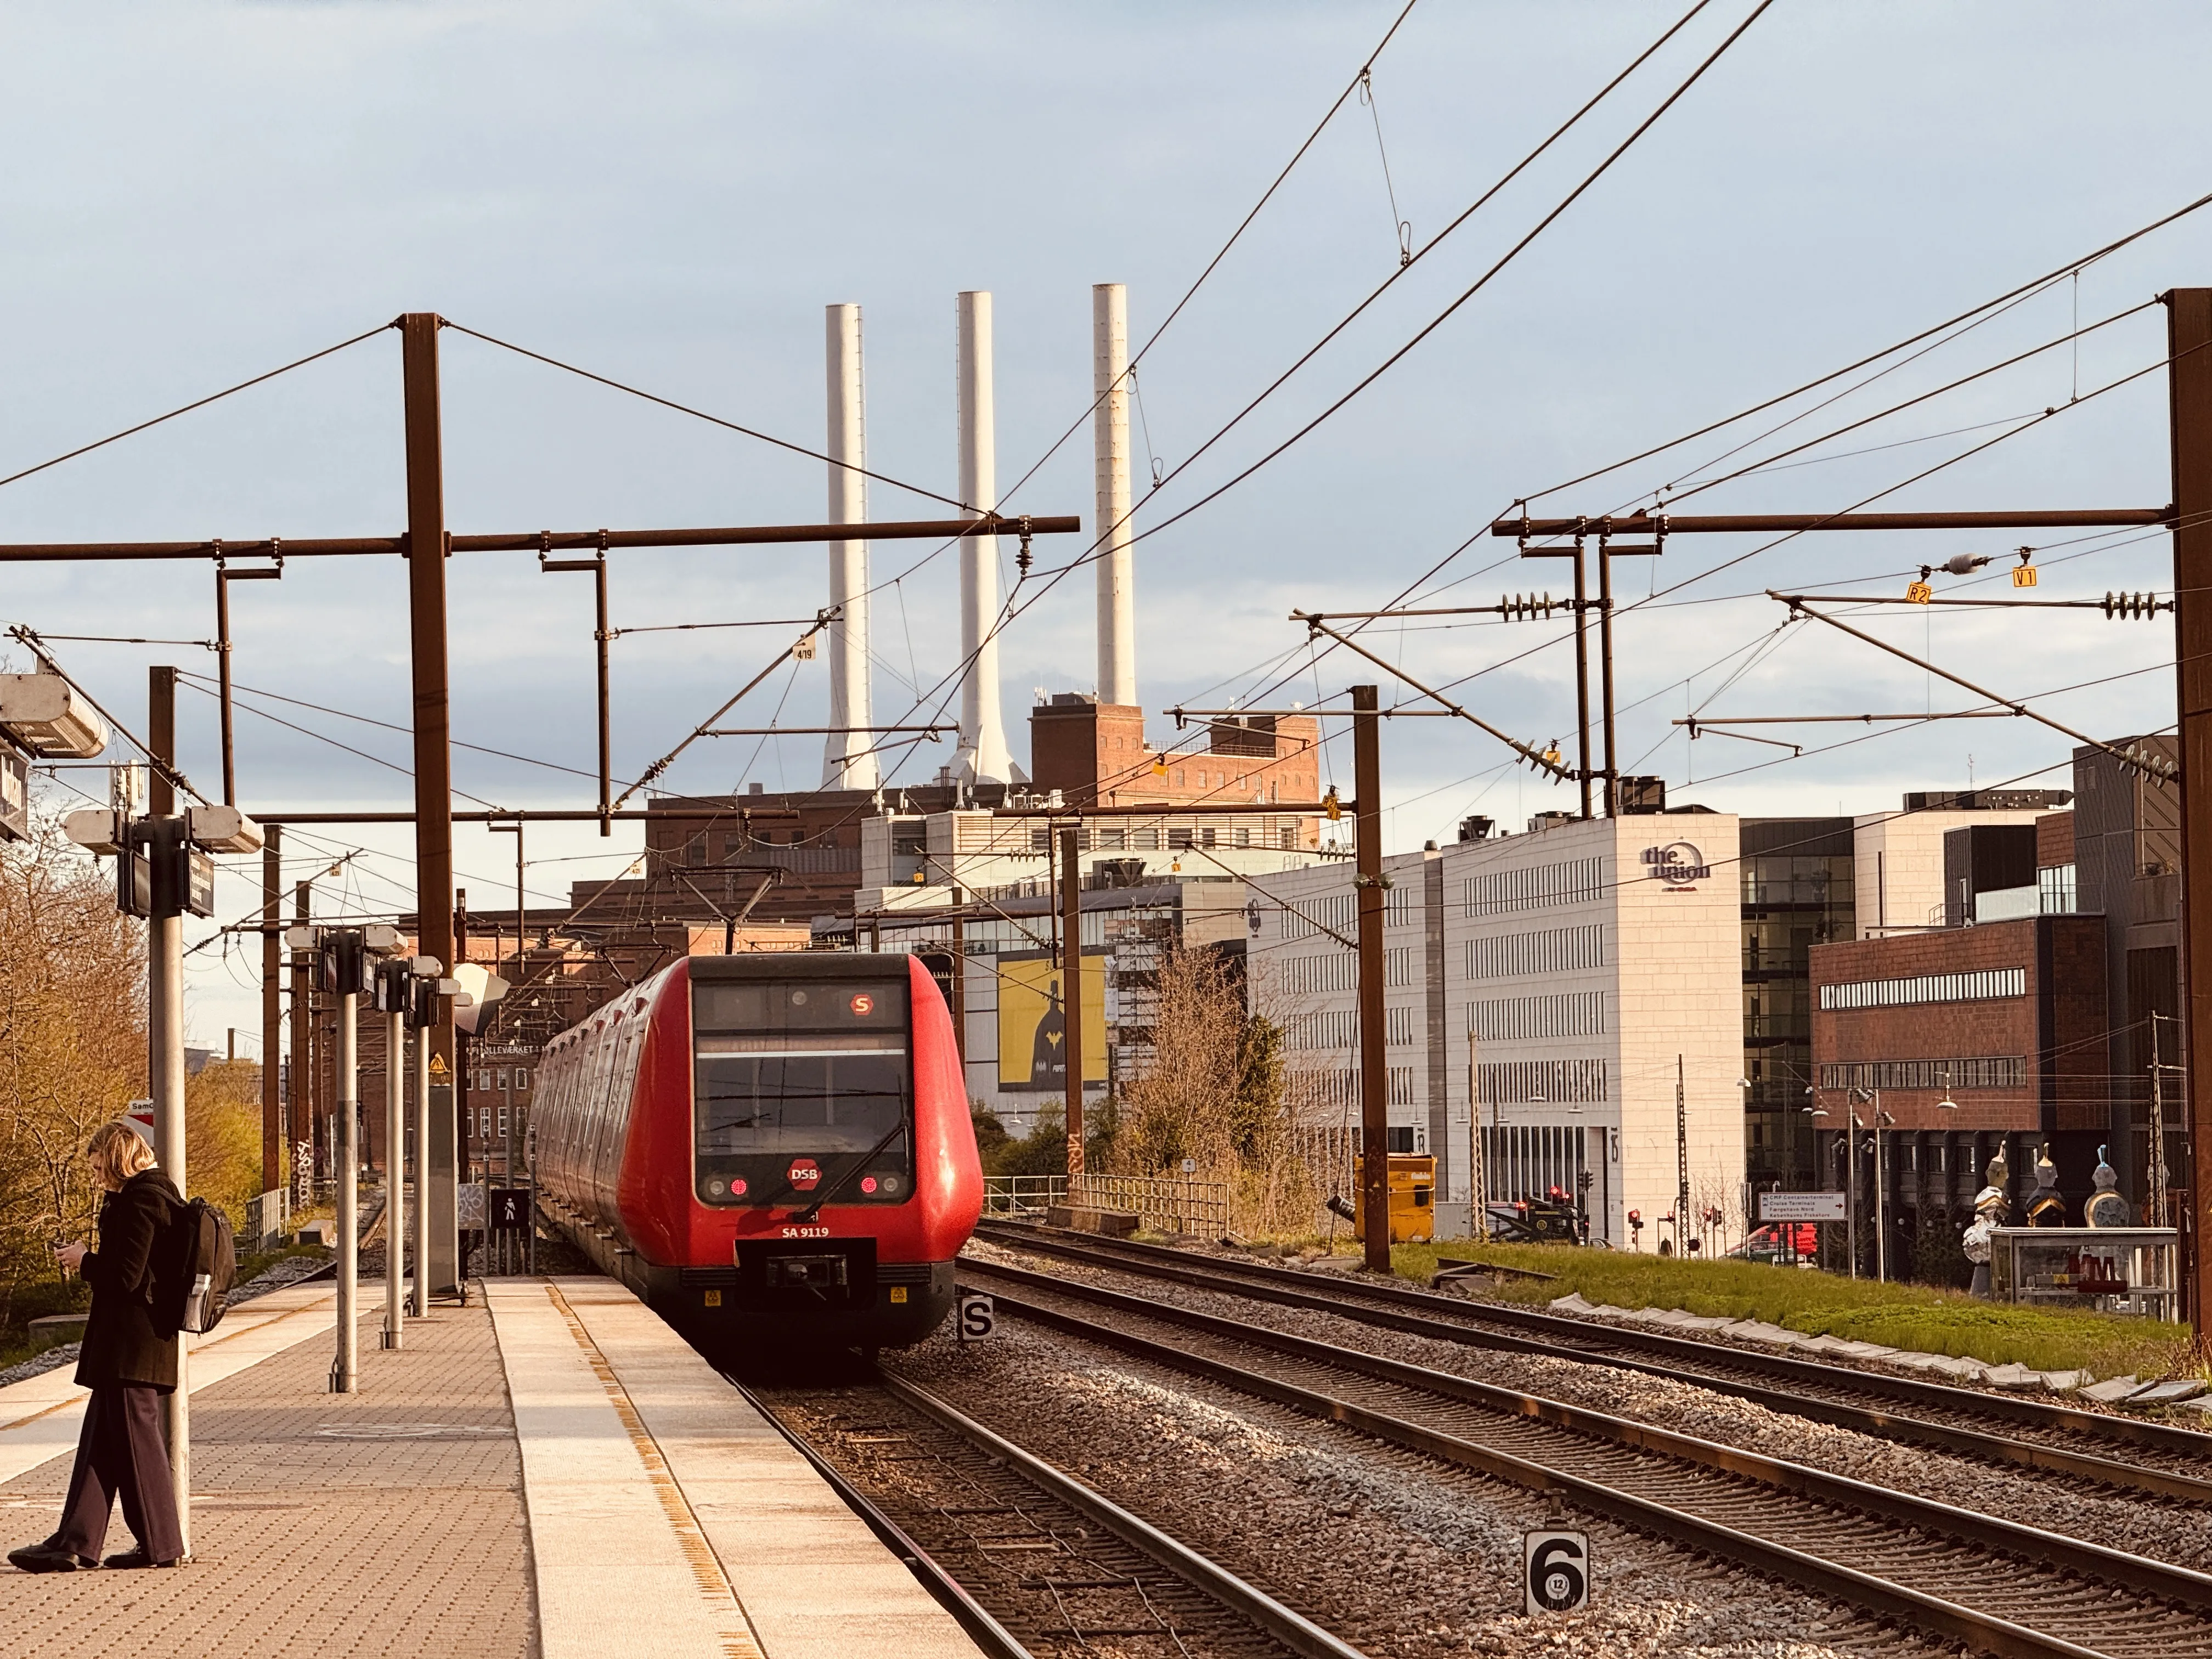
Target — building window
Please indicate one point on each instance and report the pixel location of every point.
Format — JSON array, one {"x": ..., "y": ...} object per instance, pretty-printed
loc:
[
  {"x": 1179, "y": 839},
  {"x": 1540, "y": 1083},
  {"x": 1985, "y": 986},
  {"x": 695, "y": 850},
  {"x": 1553, "y": 951},
  {"x": 1040, "y": 840},
  {"x": 1288, "y": 833},
  {"x": 1576, "y": 881},
  {"x": 1989, "y": 1071},
  {"x": 502, "y": 1123},
  {"x": 1332, "y": 1028},
  {"x": 1112, "y": 840},
  {"x": 1243, "y": 835},
  {"x": 1178, "y": 779},
  {"x": 1323, "y": 913},
  {"x": 1206, "y": 836},
  {"x": 1532, "y": 1160},
  {"x": 1398, "y": 1026},
  {"x": 1147, "y": 841},
  {"x": 1337, "y": 971},
  {"x": 1515, "y": 1019},
  {"x": 2054, "y": 889}
]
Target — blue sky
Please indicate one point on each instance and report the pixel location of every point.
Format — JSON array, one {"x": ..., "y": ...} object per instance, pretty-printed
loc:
[{"x": 669, "y": 193}]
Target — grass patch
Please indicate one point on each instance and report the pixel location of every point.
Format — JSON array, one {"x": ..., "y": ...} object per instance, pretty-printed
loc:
[{"x": 1897, "y": 1315}]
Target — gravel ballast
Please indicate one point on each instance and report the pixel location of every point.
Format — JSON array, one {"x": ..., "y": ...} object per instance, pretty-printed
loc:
[
  {"x": 1399, "y": 1555},
  {"x": 2165, "y": 1530}
]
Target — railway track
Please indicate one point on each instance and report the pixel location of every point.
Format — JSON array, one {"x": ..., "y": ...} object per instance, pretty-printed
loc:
[
  {"x": 1032, "y": 1562},
  {"x": 1995, "y": 1585},
  {"x": 2123, "y": 1453}
]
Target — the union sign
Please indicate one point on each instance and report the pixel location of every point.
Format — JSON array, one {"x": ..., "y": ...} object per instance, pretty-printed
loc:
[{"x": 1678, "y": 864}]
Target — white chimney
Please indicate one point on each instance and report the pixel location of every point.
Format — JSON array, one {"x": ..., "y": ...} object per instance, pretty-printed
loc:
[
  {"x": 982, "y": 758},
  {"x": 1110, "y": 447},
  {"x": 848, "y": 758}
]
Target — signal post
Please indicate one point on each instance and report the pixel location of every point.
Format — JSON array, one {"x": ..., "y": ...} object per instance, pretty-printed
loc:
[
  {"x": 2188, "y": 370},
  {"x": 1369, "y": 883}
]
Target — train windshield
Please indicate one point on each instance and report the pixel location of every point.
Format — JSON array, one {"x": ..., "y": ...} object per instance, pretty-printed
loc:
[{"x": 801, "y": 1088}]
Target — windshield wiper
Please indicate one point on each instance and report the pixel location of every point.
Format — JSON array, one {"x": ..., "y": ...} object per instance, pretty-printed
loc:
[{"x": 846, "y": 1179}]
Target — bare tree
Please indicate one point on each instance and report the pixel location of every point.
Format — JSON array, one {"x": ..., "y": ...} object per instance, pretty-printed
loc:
[
  {"x": 1213, "y": 1092},
  {"x": 72, "y": 1042}
]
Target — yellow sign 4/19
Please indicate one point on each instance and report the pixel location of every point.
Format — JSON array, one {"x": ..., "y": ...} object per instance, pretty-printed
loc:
[{"x": 1033, "y": 1023}]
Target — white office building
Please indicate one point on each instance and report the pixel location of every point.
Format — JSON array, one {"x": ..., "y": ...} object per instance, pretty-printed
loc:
[{"x": 1544, "y": 993}]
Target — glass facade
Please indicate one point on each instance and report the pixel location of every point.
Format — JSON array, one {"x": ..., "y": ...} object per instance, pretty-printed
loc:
[{"x": 1797, "y": 892}]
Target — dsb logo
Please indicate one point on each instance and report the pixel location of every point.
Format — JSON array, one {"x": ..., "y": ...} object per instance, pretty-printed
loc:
[
  {"x": 975, "y": 1319},
  {"x": 1556, "y": 1572}
]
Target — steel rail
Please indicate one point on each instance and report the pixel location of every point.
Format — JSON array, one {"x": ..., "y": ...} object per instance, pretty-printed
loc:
[
  {"x": 2035, "y": 1413},
  {"x": 987, "y": 1633},
  {"x": 1292, "y": 1629},
  {"x": 1933, "y": 1614},
  {"x": 2184, "y": 1586},
  {"x": 1882, "y": 1425}
]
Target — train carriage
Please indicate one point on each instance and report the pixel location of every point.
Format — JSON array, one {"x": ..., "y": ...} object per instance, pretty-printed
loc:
[{"x": 773, "y": 1149}]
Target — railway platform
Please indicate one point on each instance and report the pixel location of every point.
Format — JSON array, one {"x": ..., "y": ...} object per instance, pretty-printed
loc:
[{"x": 547, "y": 1473}]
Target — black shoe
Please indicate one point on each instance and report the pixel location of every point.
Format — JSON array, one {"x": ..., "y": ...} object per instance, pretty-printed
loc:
[
  {"x": 137, "y": 1557},
  {"x": 46, "y": 1558}
]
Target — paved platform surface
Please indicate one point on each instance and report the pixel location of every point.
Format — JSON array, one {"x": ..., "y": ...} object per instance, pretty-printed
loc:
[{"x": 547, "y": 1473}]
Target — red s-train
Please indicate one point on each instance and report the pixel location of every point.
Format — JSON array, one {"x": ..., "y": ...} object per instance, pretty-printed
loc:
[{"x": 771, "y": 1147}]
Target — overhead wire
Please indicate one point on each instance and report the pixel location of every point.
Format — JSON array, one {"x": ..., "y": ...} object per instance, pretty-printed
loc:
[
  {"x": 701, "y": 414},
  {"x": 198, "y": 403},
  {"x": 2020, "y": 291},
  {"x": 2033, "y": 285},
  {"x": 1050, "y": 579}
]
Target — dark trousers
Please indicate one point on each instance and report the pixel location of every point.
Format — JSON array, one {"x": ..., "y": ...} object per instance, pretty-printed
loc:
[{"x": 121, "y": 1454}]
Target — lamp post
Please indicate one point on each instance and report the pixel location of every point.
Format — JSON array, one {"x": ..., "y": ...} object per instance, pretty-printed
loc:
[
  {"x": 1877, "y": 1118},
  {"x": 347, "y": 964}
]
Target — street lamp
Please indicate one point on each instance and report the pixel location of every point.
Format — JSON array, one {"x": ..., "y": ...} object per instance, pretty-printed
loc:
[
  {"x": 1872, "y": 1096},
  {"x": 348, "y": 962}
]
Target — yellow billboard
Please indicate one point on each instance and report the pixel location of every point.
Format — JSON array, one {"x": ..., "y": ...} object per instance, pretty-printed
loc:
[{"x": 1033, "y": 1023}]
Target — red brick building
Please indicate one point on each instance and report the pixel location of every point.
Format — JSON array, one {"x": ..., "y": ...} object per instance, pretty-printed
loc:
[
  {"x": 1095, "y": 753},
  {"x": 2007, "y": 1020},
  {"x": 796, "y": 856}
]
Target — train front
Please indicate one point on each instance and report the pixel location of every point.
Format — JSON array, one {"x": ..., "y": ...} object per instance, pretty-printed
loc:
[{"x": 832, "y": 1168}]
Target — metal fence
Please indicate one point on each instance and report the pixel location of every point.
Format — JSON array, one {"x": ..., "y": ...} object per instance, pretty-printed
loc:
[
  {"x": 1167, "y": 1204},
  {"x": 1021, "y": 1194},
  {"x": 1327, "y": 1151},
  {"x": 268, "y": 1218}
]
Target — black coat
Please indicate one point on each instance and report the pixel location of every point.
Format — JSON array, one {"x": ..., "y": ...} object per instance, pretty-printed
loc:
[{"x": 123, "y": 1342}]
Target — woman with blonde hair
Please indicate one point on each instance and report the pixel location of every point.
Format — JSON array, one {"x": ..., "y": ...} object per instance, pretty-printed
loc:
[{"x": 129, "y": 1361}]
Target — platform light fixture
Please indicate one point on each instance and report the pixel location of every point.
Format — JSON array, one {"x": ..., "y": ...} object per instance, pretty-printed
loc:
[
  {"x": 48, "y": 716},
  {"x": 222, "y": 829}
]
